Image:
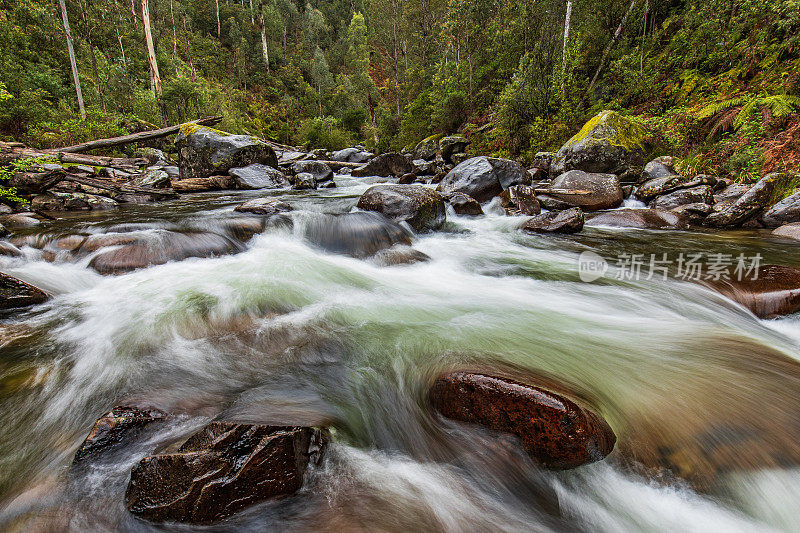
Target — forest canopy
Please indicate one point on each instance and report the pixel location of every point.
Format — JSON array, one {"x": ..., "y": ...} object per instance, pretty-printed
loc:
[{"x": 719, "y": 79}]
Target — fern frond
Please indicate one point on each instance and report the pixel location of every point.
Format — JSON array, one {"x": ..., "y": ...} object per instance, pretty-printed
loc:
[
  {"x": 782, "y": 105},
  {"x": 724, "y": 121},
  {"x": 747, "y": 112},
  {"x": 712, "y": 109}
]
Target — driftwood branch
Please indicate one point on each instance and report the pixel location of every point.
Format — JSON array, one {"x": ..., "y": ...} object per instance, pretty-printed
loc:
[
  {"x": 120, "y": 189},
  {"x": 336, "y": 165},
  {"x": 14, "y": 153},
  {"x": 134, "y": 137}
]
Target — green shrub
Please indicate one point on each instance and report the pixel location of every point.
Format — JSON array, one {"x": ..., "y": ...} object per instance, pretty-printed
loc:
[{"x": 322, "y": 133}]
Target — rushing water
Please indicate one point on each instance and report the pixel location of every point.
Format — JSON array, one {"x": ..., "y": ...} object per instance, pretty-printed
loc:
[{"x": 287, "y": 333}]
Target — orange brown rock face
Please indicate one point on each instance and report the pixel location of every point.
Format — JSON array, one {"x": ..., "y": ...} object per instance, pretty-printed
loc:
[{"x": 555, "y": 431}]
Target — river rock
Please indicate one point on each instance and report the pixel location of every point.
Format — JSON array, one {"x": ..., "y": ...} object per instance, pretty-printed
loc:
[
  {"x": 694, "y": 213},
  {"x": 658, "y": 186},
  {"x": 258, "y": 176},
  {"x": 60, "y": 201},
  {"x": 163, "y": 247},
  {"x": 221, "y": 470},
  {"x": 400, "y": 255},
  {"x": 420, "y": 206},
  {"x": 427, "y": 148},
  {"x": 453, "y": 144},
  {"x": 303, "y": 181},
  {"x": 154, "y": 179},
  {"x": 696, "y": 195},
  {"x": 407, "y": 179},
  {"x": 360, "y": 234},
  {"x": 321, "y": 171},
  {"x": 463, "y": 204},
  {"x": 9, "y": 250},
  {"x": 263, "y": 206},
  {"x": 660, "y": 167},
  {"x": 750, "y": 204},
  {"x": 62, "y": 247},
  {"x": 640, "y": 218},
  {"x": 605, "y": 190},
  {"x": 118, "y": 426},
  {"x": 483, "y": 178},
  {"x": 520, "y": 199},
  {"x": 608, "y": 143},
  {"x": 203, "y": 151},
  {"x": 727, "y": 196},
  {"x": 352, "y": 155},
  {"x": 15, "y": 293},
  {"x": 784, "y": 212},
  {"x": 555, "y": 431},
  {"x": 775, "y": 291},
  {"x": 384, "y": 165},
  {"x": 152, "y": 155},
  {"x": 101, "y": 203},
  {"x": 566, "y": 221},
  {"x": 787, "y": 231}
]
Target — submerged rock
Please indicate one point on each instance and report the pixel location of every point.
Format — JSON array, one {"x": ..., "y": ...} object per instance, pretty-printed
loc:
[
  {"x": 566, "y": 221},
  {"x": 483, "y": 178},
  {"x": 422, "y": 207},
  {"x": 204, "y": 151},
  {"x": 640, "y": 218},
  {"x": 400, "y": 255},
  {"x": 384, "y": 165},
  {"x": 115, "y": 428},
  {"x": 773, "y": 291},
  {"x": 258, "y": 176},
  {"x": 221, "y": 470},
  {"x": 605, "y": 191},
  {"x": 608, "y": 143},
  {"x": 788, "y": 231},
  {"x": 520, "y": 199},
  {"x": 263, "y": 206},
  {"x": 16, "y": 294},
  {"x": 554, "y": 430},
  {"x": 356, "y": 234},
  {"x": 463, "y": 204}
]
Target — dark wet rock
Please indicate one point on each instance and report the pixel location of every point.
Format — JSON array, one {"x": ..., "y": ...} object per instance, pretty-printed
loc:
[
  {"x": 9, "y": 250},
  {"x": 384, "y": 165},
  {"x": 163, "y": 247},
  {"x": 750, "y": 204},
  {"x": 567, "y": 221},
  {"x": 258, "y": 176},
  {"x": 784, "y": 212},
  {"x": 3, "y": 231},
  {"x": 303, "y": 181},
  {"x": 204, "y": 152},
  {"x": 640, "y": 218},
  {"x": 427, "y": 148},
  {"x": 774, "y": 291},
  {"x": 659, "y": 168},
  {"x": 605, "y": 190},
  {"x": 263, "y": 206},
  {"x": 211, "y": 183},
  {"x": 154, "y": 179},
  {"x": 321, "y": 153},
  {"x": 658, "y": 186},
  {"x": 463, "y": 204},
  {"x": 356, "y": 234},
  {"x": 15, "y": 293},
  {"x": 459, "y": 158},
  {"x": 543, "y": 161},
  {"x": 221, "y": 470},
  {"x": 420, "y": 206},
  {"x": 400, "y": 255},
  {"x": 627, "y": 190},
  {"x": 520, "y": 200},
  {"x": 554, "y": 431},
  {"x": 62, "y": 247},
  {"x": 426, "y": 168},
  {"x": 352, "y": 155},
  {"x": 101, "y": 203},
  {"x": 483, "y": 178},
  {"x": 321, "y": 171},
  {"x": 60, "y": 201},
  {"x": 727, "y": 196},
  {"x": 20, "y": 220},
  {"x": 5, "y": 210},
  {"x": 243, "y": 228},
  {"x": 696, "y": 195},
  {"x": 552, "y": 204},
  {"x": 694, "y": 213},
  {"x": 452, "y": 144},
  {"x": 114, "y": 429},
  {"x": 608, "y": 143},
  {"x": 328, "y": 185},
  {"x": 104, "y": 240},
  {"x": 787, "y": 231},
  {"x": 407, "y": 179}
]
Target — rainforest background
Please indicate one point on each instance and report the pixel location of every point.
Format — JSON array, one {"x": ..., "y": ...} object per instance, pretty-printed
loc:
[{"x": 719, "y": 79}]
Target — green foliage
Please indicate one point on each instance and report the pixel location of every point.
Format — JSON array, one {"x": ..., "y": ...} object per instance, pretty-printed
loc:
[
  {"x": 322, "y": 132},
  {"x": 8, "y": 195}
]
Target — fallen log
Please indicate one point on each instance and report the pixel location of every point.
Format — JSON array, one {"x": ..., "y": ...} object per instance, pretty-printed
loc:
[
  {"x": 91, "y": 160},
  {"x": 134, "y": 137},
  {"x": 119, "y": 189},
  {"x": 336, "y": 165}
]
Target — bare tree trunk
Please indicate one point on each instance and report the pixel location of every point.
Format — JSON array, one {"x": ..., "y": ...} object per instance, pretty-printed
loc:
[
  {"x": 95, "y": 71},
  {"x": 566, "y": 36},
  {"x": 614, "y": 40},
  {"x": 219, "y": 26},
  {"x": 396, "y": 59},
  {"x": 252, "y": 13},
  {"x": 189, "y": 50},
  {"x": 151, "y": 52},
  {"x": 264, "y": 48},
  {"x": 72, "y": 62},
  {"x": 174, "y": 37}
]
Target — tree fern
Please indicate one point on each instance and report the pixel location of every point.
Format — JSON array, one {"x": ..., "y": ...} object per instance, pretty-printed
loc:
[{"x": 737, "y": 111}]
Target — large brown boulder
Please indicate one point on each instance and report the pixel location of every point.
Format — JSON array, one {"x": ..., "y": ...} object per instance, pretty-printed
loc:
[
  {"x": 554, "y": 430},
  {"x": 463, "y": 204},
  {"x": 773, "y": 291},
  {"x": 263, "y": 206},
  {"x": 640, "y": 218},
  {"x": 483, "y": 178},
  {"x": 566, "y": 221},
  {"x": 605, "y": 191},
  {"x": 117, "y": 427},
  {"x": 384, "y": 165},
  {"x": 221, "y": 470},
  {"x": 420, "y": 206},
  {"x": 204, "y": 151},
  {"x": 15, "y": 293}
]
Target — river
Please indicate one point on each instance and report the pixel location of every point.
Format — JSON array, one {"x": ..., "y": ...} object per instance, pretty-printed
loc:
[{"x": 287, "y": 333}]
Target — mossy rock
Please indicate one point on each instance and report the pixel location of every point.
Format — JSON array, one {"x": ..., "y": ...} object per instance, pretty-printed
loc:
[
  {"x": 766, "y": 192},
  {"x": 608, "y": 143},
  {"x": 204, "y": 151},
  {"x": 428, "y": 147}
]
